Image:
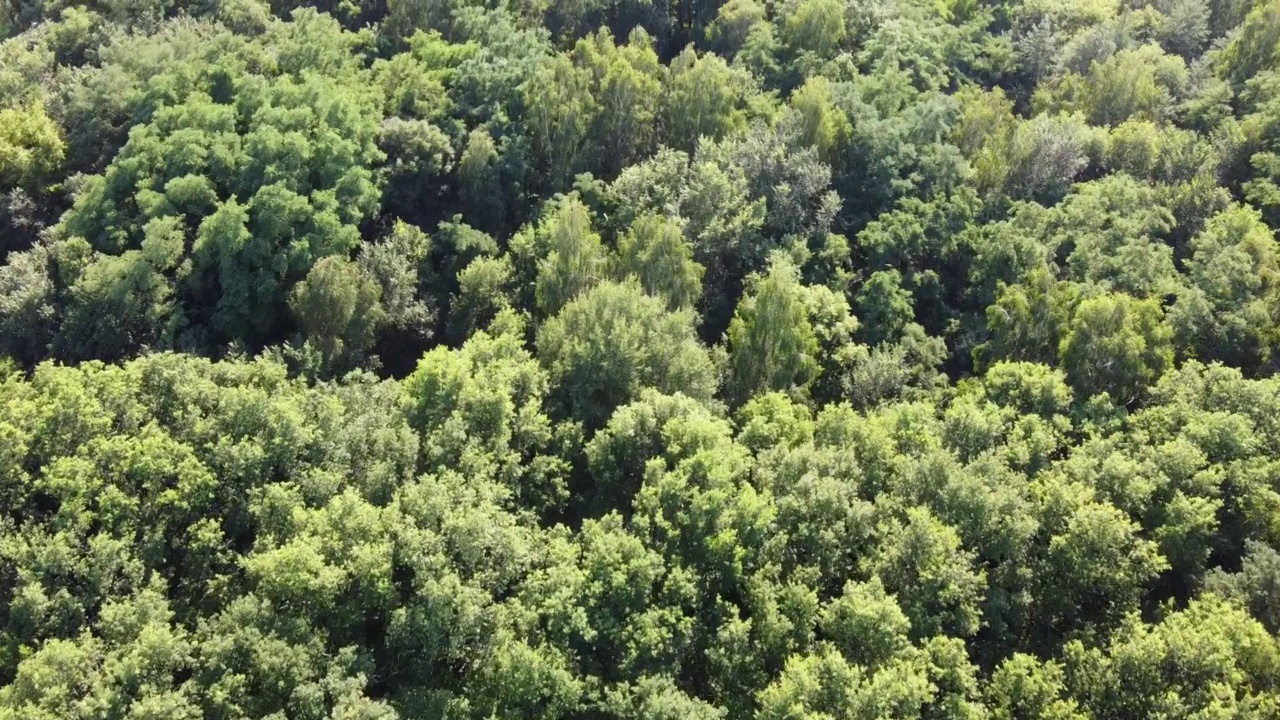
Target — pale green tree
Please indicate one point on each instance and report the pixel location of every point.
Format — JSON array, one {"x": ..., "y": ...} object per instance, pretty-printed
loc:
[{"x": 772, "y": 345}]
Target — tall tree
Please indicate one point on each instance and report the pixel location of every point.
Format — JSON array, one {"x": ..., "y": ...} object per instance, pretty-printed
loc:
[
  {"x": 614, "y": 340},
  {"x": 704, "y": 98},
  {"x": 575, "y": 258},
  {"x": 772, "y": 345},
  {"x": 337, "y": 308},
  {"x": 655, "y": 252},
  {"x": 1117, "y": 345}
]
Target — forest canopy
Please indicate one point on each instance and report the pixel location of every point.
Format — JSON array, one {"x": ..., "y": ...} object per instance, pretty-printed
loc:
[{"x": 639, "y": 359}]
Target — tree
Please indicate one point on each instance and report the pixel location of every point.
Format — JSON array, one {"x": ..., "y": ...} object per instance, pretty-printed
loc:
[
  {"x": 1180, "y": 661},
  {"x": 823, "y": 125},
  {"x": 1115, "y": 224},
  {"x": 1226, "y": 313},
  {"x": 867, "y": 625},
  {"x": 703, "y": 99},
  {"x": 1044, "y": 155},
  {"x": 1116, "y": 345},
  {"x": 31, "y": 148},
  {"x": 1028, "y": 387},
  {"x": 484, "y": 291},
  {"x": 813, "y": 26},
  {"x": 627, "y": 84},
  {"x": 654, "y": 251},
  {"x": 835, "y": 329},
  {"x": 480, "y": 185},
  {"x": 824, "y": 685},
  {"x": 1023, "y": 687},
  {"x": 419, "y": 157},
  {"x": 735, "y": 21},
  {"x": 337, "y": 308},
  {"x": 119, "y": 306},
  {"x": 27, "y": 311},
  {"x": 1142, "y": 82},
  {"x": 1253, "y": 48},
  {"x": 265, "y": 186},
  {"x": 723, "y": 221},
  {"x": 396, "y": 265},
  {"x": 1095, "y": 570},
  {"x": 1028, "y": 320},
  {"x": 561, "y": 107},
  {"x": 404, "y": 17},
  {"x": 772, "y": 345},
  {"x": 1186, "y": 27},
  {"x": 920, "y": 560},
  {"x": 659, "y": 698},
  {"x": 449, "y": 387},
  {"x": 575, "y": 258},
  {"x": 644, "y": 431},
  {"x": 884, "y": 307},
  {"x": 614, "y": 340},
  {"x": 1255, "y": 586}
]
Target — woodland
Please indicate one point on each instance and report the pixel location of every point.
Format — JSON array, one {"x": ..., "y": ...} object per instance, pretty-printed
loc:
[{"x": 639, "y": 359}]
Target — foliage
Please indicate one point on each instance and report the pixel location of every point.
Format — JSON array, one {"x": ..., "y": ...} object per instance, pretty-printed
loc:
[
  {"x": 639, "y": 360},
  {"x": 614, "y": 340}
]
